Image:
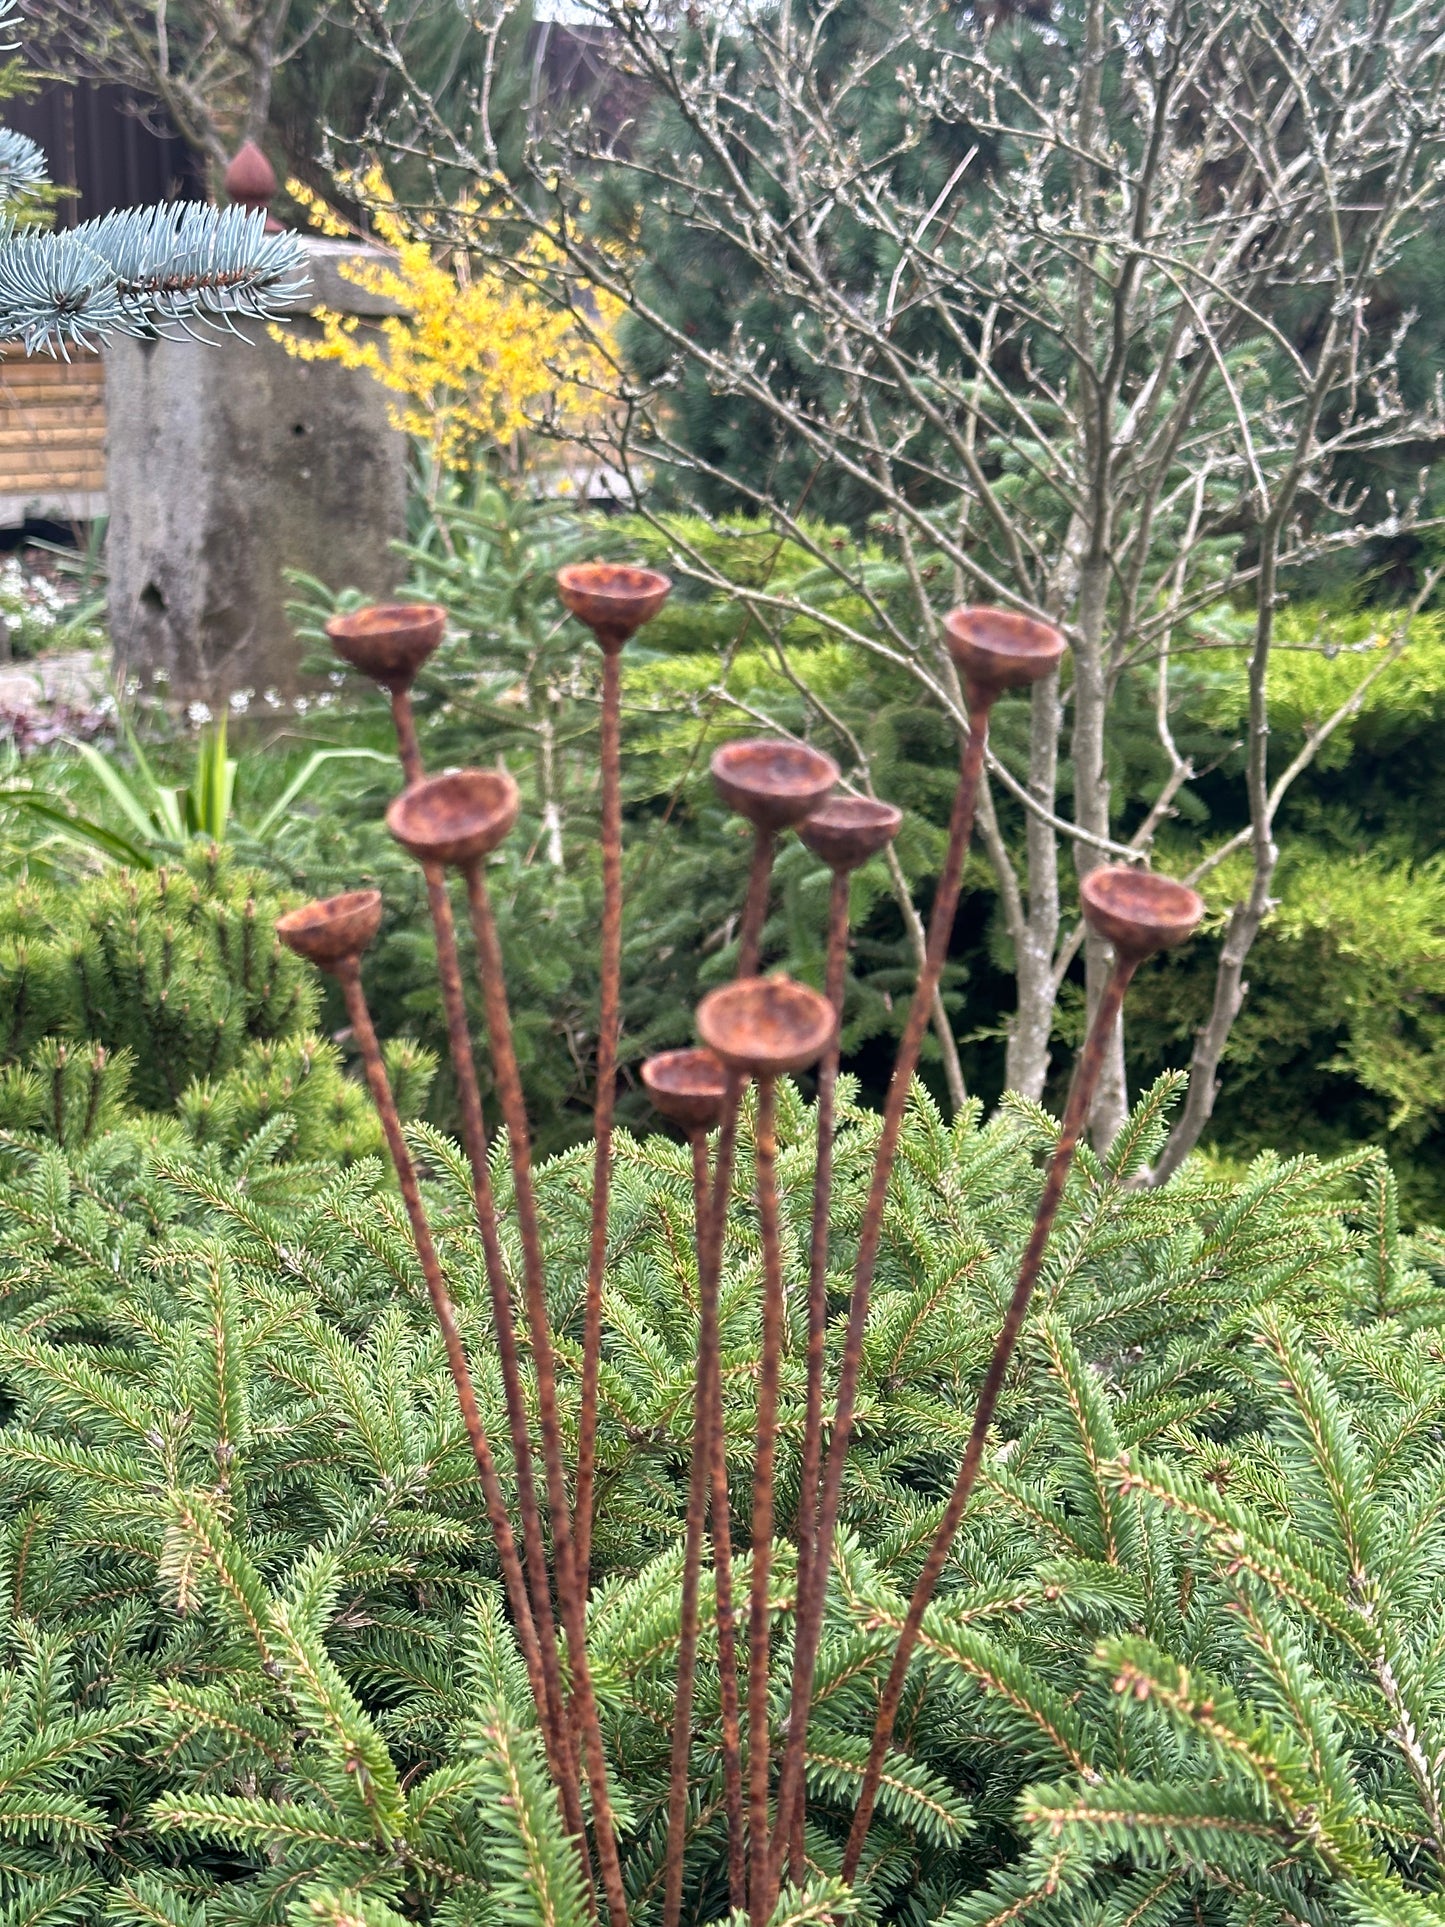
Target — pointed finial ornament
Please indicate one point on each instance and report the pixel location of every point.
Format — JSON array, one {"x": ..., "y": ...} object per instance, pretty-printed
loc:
[{"x": 251, "y": 182}]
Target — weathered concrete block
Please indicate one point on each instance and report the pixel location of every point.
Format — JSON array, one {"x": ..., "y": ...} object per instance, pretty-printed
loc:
[{"x": 229, "y": 462}]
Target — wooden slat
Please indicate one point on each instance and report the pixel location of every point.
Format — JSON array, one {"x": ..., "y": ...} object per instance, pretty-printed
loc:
[
  {"x": 78, "y": 482},
  {"x": 39, "y": 462},
  {"x": 17, "y": 362},
  {"x": 31, "y": 484},
  {"x": 15, "y": 366},
  {"x": 41, "y": 370},
  {"x": 30, "y": 435},
  {"x": 55, "y": 395},
  {"x": 52, "y": 415},
  {"x": 16, "y": 462},
  {"x": 46, "y": 382},
  {"x": 18, "y": 421}
]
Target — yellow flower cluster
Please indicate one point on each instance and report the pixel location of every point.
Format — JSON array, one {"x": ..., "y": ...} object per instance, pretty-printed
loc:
[{"x": 473, "y": 356}]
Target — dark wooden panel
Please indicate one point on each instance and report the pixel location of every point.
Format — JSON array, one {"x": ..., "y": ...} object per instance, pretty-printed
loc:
[{"x": 96, "y": 147}]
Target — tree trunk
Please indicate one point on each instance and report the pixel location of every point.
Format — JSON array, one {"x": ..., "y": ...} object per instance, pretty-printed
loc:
[
  {"x": 261, "y": 48},
  {"x": 1091, "y": 813},
  {"x": 1026, "y": 1067},
  {"x": 1230, "y": 991}
]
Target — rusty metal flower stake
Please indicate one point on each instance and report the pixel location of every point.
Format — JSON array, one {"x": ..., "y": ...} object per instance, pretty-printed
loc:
[
  {"x": 845, "y": 832},
  {"x": 614, "y": 602},
  {"x": 775, "y": 786},
  {"x": 689, "y": 1088},
  {"x": 457, "y": 820},
  {"x": 995, "y": 651},
  {"x": 333, "y": 934},
  {"x": 1138, "y": 914},
  {"x": 765, "y": 1028},
  {"x": 757, "y": 1029},
  {"x": 390, "y": 643}
]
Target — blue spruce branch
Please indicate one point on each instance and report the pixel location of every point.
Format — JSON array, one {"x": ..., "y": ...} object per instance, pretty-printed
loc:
[
  {"x": 143, "y": 270},
  {"x": 22, "y": 165}
]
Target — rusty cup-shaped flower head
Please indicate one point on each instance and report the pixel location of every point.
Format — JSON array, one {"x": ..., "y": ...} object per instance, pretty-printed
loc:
[
  {"x": 772, "y": 783},
  {"x": 612, "y": 599},
  {"x": 997, "y": 649},
  {"x": 388, "y": 641},
  {"x": 766, "y": 1026},
  {"x": 333, "y": 931},
  {"x": 455, "y": 818},
  {"x": 846, "y": 830},
  {"x": 688, "y": 1087},
  {"x": 1137, "y": 911}
]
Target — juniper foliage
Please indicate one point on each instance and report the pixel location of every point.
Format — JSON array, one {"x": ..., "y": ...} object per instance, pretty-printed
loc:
[{"x": 1184, "y": 1667}]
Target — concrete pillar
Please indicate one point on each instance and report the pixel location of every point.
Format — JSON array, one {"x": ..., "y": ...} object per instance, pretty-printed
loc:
[{"x": 227, "y": 463}]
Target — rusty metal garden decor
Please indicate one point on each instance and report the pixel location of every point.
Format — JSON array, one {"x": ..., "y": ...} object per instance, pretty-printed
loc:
[{"x": 754, "y": 1029}]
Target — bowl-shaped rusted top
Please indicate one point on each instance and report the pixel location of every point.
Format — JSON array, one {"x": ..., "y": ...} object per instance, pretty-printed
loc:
[
  {"x": 388, "y": 641},
  {"x": 611, "y": 598},
  {"x": 687, "y": 1086},
  {"x": 766, "y": 1025},
  {"x": 455, "y": 818},
  {"x": 333, "y": 930},
  {"x": 998, "y": 649},
  {"x": 1137, "y": 911},
  {"x": 774, "y": 784},
  {"x": 846, "y": 830}
]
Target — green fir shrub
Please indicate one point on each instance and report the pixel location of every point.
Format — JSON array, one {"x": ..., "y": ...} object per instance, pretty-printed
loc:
[
  {"x": 168, "y": 991},
  {"x": 180, "y": 966},
  {"x": 1183, "y": 1668}
]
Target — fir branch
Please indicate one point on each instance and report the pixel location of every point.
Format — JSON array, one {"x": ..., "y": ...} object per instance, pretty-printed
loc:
[{"x": 537, "y": 1879}]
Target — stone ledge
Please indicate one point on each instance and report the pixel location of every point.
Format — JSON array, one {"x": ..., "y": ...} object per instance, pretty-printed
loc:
[{"x": 329, "y": 286}]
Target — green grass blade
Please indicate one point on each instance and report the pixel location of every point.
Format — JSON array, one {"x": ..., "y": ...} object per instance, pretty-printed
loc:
[{"x": 302, "y": 781}]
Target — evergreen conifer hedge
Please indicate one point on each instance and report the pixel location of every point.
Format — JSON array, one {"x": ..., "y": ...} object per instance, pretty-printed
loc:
[{"x": 1185, "y": 1667}]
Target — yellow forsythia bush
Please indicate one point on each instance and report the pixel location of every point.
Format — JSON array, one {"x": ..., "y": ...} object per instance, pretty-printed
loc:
[{"x": 474, "y": 357}]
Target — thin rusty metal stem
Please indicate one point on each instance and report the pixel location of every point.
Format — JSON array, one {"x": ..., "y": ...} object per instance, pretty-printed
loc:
[
  {"x": 755, "y": 904},
  {"x": 697, "y": 1143},
  {"x": 1076, "y": 1114},
  {"x": 809, "y": 1621},
  {"x": 720, "y": 1527},
  {"x": 381, "y": 1096},
  {"x": 474, "y": 1141},
  {"x": 569, "y": 1596},
  {"x": 727, "y": 1644},
  {"x": 561, "y": 1747},
  {"x": 714, "y": 1226},
  {"x": 512, "y": 1576},
  {"x": 759, "y": 1624},
  {"x": 836, "y": 968},
  {"x": 791, "y": 1842},
  {"x": 607, "y": 1035},
  {"x": 697, "y": 1503},
  {"x": 408, "y": 748},
  {"x": 709, "y": 1283}
]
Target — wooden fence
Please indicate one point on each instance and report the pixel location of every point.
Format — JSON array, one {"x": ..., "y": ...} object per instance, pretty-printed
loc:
[{"x": 52, "y": 438}]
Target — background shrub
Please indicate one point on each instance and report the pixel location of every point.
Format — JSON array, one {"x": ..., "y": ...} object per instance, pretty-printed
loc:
[{"x": 169, "y": 990}]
